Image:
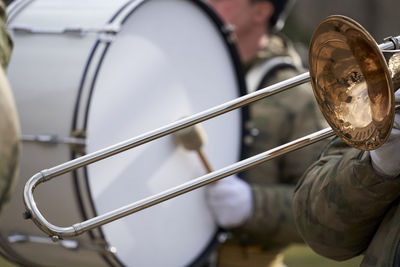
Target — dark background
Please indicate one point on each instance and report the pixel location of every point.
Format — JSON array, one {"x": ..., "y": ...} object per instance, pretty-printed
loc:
[{"x": 379, "y": 17}]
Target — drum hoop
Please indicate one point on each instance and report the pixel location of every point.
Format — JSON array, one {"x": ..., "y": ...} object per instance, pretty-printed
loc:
[
  {"x": 14, "y": 8},
  {"x": 120, "y": 17},
  {"x": 81, "y": 184}
]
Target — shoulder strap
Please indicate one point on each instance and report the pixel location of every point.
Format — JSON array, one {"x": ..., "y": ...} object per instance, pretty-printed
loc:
[{"x": 256, "y": 75}]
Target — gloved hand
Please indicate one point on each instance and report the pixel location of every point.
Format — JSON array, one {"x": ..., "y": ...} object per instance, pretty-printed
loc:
[
  {"x": 230, "y": 200},
  {"x": 386, "y": 159}
]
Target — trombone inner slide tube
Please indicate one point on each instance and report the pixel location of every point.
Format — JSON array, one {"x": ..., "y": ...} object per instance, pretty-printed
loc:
[{"x": 57, "y": 233}]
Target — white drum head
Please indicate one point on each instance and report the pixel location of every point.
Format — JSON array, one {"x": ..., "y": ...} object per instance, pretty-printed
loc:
[{"x": 169, "y": 61}]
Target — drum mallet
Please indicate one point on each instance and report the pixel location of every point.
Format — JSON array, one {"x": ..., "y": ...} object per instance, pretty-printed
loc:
[{"x": 193, "y": 138}]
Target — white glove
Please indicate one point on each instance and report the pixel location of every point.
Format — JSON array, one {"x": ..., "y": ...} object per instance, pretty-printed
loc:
[
  {"x": 230, "y": 200},
  {"x": 386, "y": 159}
]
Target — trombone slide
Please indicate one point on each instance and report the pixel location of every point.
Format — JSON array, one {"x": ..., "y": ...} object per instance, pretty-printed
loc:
[{"x": 57, "y": 233}]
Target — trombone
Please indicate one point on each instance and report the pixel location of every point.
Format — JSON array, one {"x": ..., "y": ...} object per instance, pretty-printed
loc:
[{"x": 352, "y": 82}]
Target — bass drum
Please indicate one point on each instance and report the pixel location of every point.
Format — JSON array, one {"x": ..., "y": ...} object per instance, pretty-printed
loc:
[{"x": 88, "y": 74}]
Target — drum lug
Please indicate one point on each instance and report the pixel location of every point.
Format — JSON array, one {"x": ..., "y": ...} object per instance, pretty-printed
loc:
[
  {"x": 105, "y": 247},
  {"x": 17, "y": 238},
  {"x": 53, "y": 139},
  {"x": 106, "y": 37},
  {"x": 108, "y": 32},
  {"x": 228, "y": 30},
  {"x": 79, "y": 149},
  {"x": 77, "y": 141},
  {"x": 108, "y": 29},
  {"x": 251, "y": 133}
]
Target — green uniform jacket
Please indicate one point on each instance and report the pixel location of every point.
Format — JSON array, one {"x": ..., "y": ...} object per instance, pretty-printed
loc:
[
  {"x": 344, "y": 209},
  {"x": 279, "y": 119},
  {"x": 10, "y": 145},
  {"x": 6, "y": 43}
]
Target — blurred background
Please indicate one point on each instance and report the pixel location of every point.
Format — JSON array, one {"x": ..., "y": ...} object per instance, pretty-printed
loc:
[{"x": 378, "y": 17}]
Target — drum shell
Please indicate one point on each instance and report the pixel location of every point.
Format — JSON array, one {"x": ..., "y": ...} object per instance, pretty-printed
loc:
[
  {"x": 45, "y": 94},
  {"x": 64, "y": 76}
]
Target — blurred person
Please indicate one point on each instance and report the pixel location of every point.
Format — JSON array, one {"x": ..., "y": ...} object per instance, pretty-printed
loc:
[
  {"x": 9, "y": 122},
  {"x": 6, "y": 43},
  {"x": 257, "y": 207},
  {"x": 347, "y": 203}
]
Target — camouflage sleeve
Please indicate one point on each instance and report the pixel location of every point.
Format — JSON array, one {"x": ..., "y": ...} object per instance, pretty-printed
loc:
[
  {"x": 280, "y": 118},
  {"x": 340, "y": 201},
  {"x": 272, "y": 224},
  {"x": 6, "y": 43},
  {"x": 10, "y": 145}
]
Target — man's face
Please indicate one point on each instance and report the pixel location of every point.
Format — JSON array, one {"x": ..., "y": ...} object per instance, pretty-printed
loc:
[{"x": 238, "y": 13}]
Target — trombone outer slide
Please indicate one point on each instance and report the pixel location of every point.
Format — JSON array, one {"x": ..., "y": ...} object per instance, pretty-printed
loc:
[{"x": 57, "y": 233}]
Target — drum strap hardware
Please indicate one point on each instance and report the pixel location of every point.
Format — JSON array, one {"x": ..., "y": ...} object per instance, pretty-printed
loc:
[{"x": 78, "y": 30}]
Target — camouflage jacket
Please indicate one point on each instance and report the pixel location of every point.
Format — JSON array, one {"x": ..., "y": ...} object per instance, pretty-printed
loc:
[
  {"x": 278, "y": 119},
  {"x": 9, "y": 123},
  {"x": 6, "y": 43},
  {"x": 344, "y": 209}
]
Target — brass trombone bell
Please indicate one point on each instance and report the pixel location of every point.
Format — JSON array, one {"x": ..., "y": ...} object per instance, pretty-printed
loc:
[
  {"x": 354, "y": 89},
  {"x": 352, "y": 82}
]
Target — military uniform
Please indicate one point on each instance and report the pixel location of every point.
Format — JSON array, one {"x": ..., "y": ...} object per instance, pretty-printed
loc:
[
  {"x": 9, "y": 123},
  {"x": 6, "y": 43},
  {"x": 277, "y": 119},
  {"x": 343, "y": 208}
]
